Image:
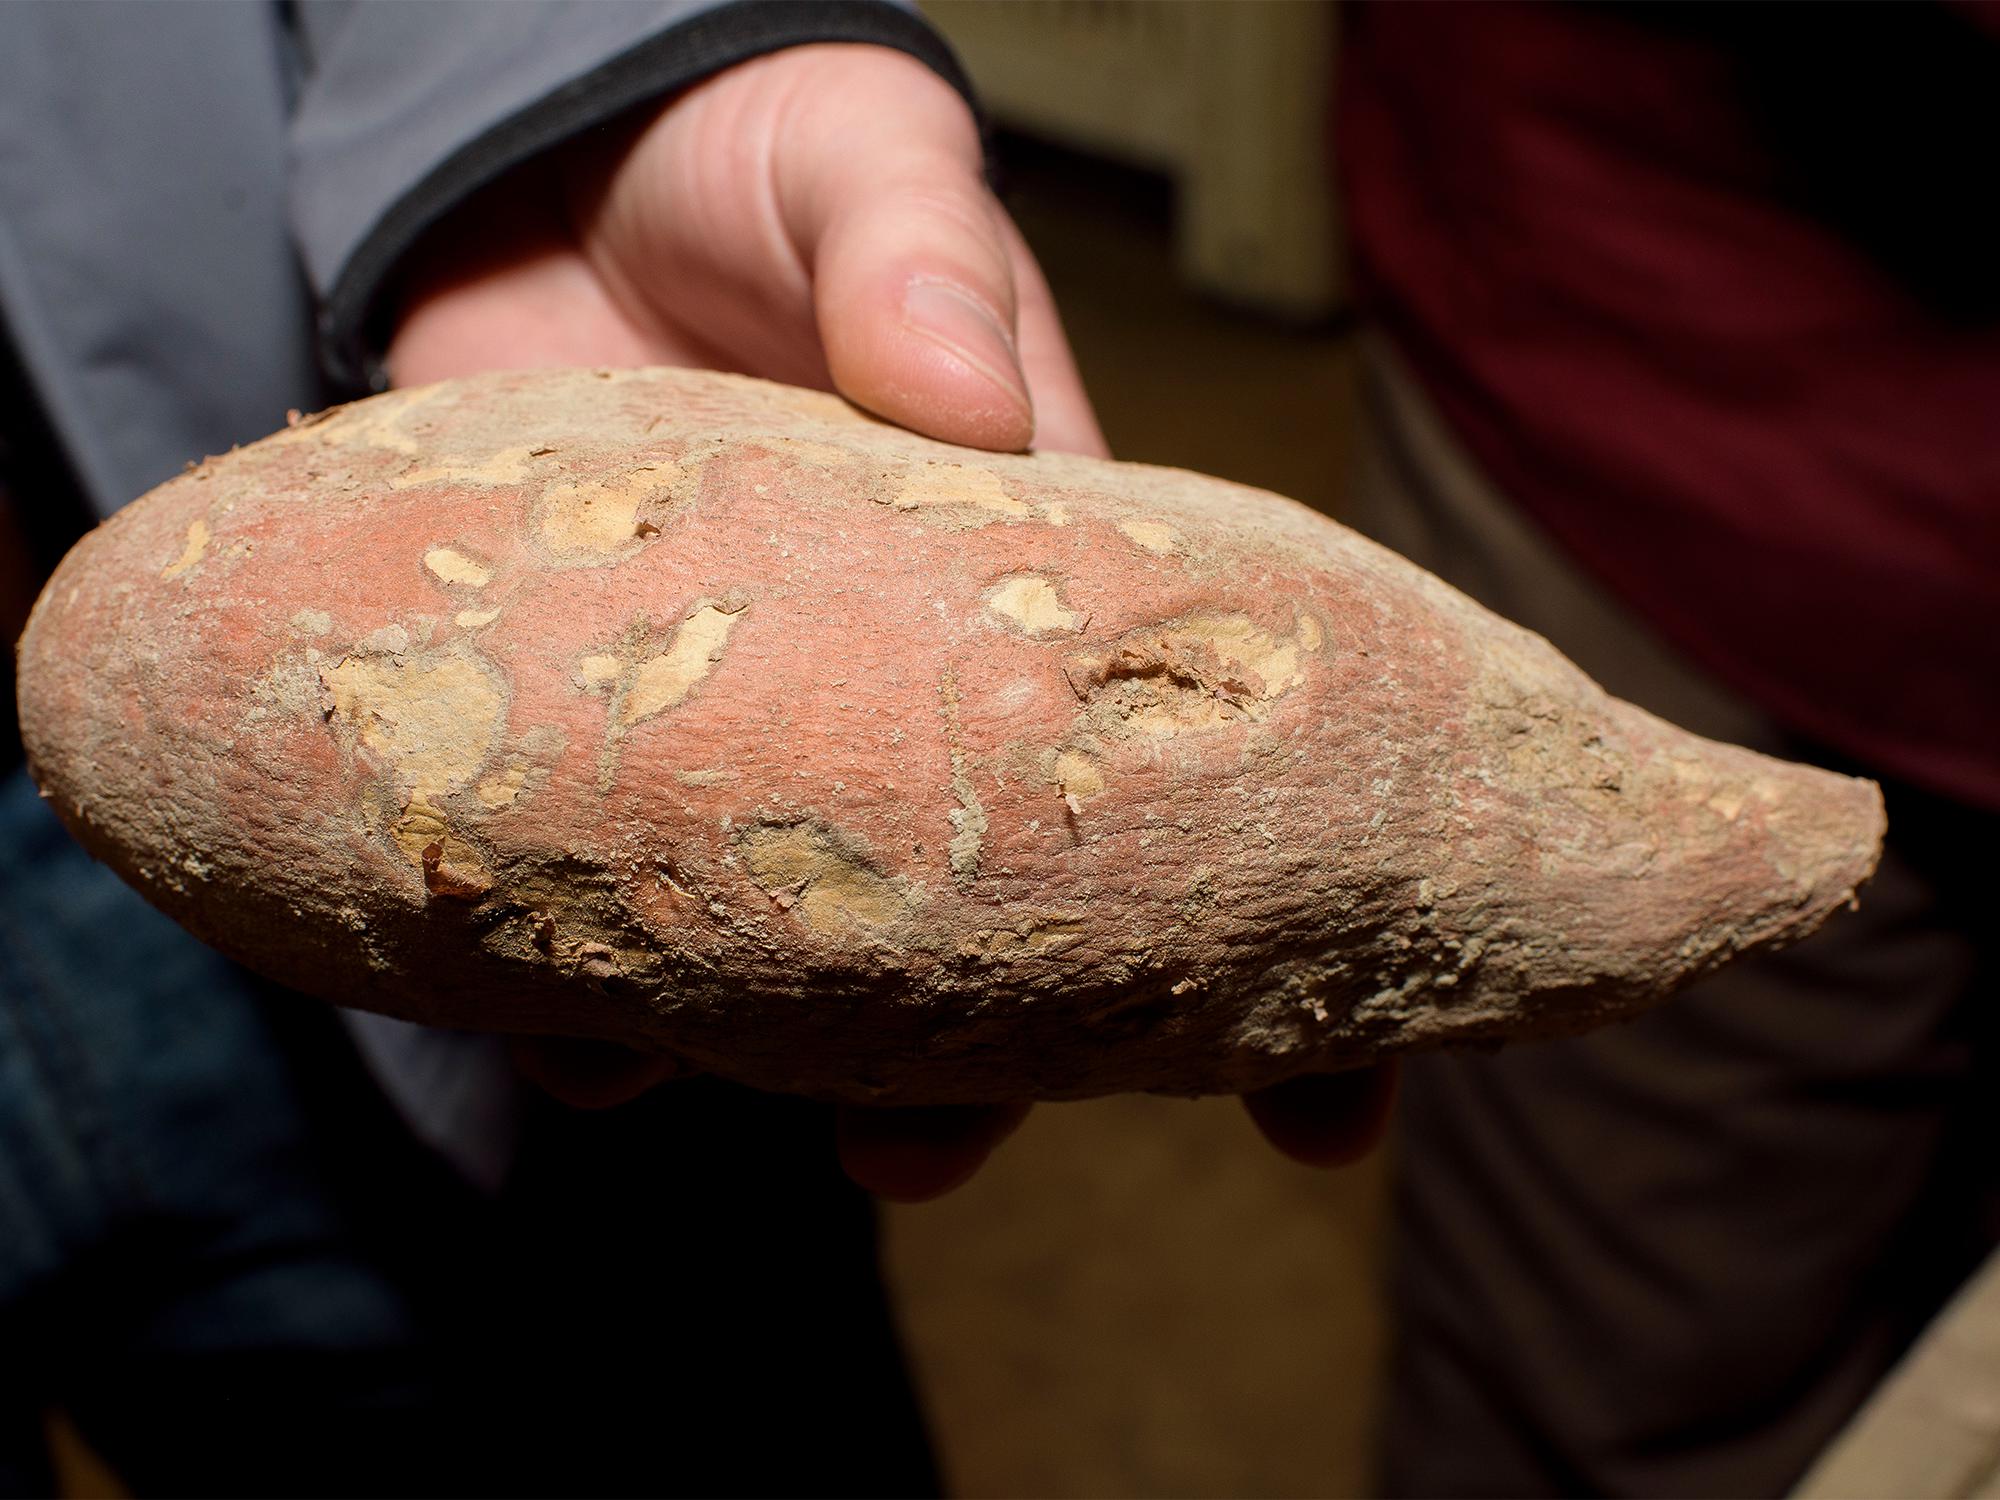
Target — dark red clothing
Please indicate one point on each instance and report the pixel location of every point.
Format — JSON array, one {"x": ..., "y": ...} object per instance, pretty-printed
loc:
[{"x": 1737, "y": 348}]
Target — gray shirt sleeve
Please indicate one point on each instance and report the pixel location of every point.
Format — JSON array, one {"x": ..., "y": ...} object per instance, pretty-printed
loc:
[
  {"x": 407, "y": 109},
  {"x": 147, "y": 279}
]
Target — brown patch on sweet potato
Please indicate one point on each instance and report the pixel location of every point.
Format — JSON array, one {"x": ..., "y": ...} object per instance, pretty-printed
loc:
[{"x": 825, "y": 878}]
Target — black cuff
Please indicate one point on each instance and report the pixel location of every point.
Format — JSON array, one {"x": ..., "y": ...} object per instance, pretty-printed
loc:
[{"x": 352, "y": 318}]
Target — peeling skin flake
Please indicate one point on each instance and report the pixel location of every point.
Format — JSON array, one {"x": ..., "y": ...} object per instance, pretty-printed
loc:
[
  {"x": 829, "y": 883},
  {"x": 1032, "y": 606},
  {"x": 1192, "y": 674},
  {"x": 600, "y": 668},
  {"x": 504, "y": 466},
  {"x": 432, "y": 725},
  {"x": 963, "y": 485},
  {"x": 968, "y": 819},
  {"x": 601, "y": 519},
  {"x": 452, "y": 566},
  {"x": 1154, "y": 536},
  {"x": 662, "y": 682},
  {"x": 197, "y": 543}
]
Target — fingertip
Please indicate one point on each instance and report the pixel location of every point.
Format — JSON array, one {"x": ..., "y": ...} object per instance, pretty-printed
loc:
[
  {"x": 939, "y": 360},
  {"x": 976, "y": 365},
  {"x": 909, "y": 1155},
  {"x": 587, "y": 1074},
  {"x": 914, "y": 296},
  {"x": 1326, "y": 1119}
]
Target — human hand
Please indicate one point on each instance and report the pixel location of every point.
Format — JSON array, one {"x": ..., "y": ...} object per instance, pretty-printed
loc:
[
  {"x": 817, "y": 216},
  {"x": 912, "y": 1155}
]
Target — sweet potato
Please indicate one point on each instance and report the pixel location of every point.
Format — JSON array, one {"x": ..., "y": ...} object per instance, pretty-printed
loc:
[{"x": 714, "y": 717}]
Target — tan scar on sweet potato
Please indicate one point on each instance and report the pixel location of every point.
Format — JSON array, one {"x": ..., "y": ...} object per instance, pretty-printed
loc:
[{"x": 710, "y": 716}]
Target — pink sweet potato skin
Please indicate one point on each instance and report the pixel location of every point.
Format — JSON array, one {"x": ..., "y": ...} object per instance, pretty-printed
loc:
[{"x": 714, "y": 717}]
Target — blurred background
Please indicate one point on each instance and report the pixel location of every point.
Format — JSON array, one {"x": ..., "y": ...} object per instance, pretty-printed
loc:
[{"x": 1138, "y": 1296}]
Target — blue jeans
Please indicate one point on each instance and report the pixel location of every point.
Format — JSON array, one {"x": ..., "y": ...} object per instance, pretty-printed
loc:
[{"x": 222, "y": 1254}]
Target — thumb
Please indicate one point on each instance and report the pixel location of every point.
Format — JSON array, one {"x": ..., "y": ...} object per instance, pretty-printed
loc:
[{"x": 913, "y": 281}]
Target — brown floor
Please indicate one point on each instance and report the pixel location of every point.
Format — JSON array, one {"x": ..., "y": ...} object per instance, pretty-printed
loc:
[{"x": 1137, "y": 1297}]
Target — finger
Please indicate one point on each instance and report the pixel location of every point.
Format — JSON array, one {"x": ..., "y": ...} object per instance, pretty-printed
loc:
[
  {"x": 1064, "y": 420},
  {"x": 880, "y": 185},
  {"x": 590, "y": 1075},
  {"x": 912, "y": 1155},
  {"x": 915, "y": 304},
  {"x": 1326, "y": 1119}
]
